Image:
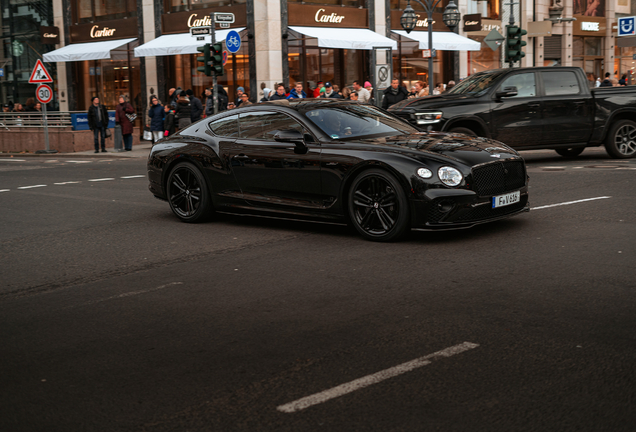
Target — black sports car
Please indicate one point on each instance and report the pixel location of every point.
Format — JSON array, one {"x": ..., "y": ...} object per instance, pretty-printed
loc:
[{"x": 336, "y": 161}]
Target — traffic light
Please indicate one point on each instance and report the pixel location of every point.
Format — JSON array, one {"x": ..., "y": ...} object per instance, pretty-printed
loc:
[
  {"x": 206, "y": 68},
  {"x": 514, "y": 43},
  {"x": 217, "y": 59}
]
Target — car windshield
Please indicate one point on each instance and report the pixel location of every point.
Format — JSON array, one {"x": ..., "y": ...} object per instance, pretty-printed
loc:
[
  {"x": 351, "y": 120},
  {"x": 477, "y": 84}
]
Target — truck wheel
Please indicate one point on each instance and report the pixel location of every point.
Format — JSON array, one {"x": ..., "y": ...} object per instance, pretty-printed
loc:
[
  {"x": 570, "y": 152},
  {"x": 620, "y": 142},
  {"x": 463, "y": 130}
]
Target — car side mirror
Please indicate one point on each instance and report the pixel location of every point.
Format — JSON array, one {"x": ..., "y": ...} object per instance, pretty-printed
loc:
[
  {"x": 294, "y": 137},
  {"x": 507, "y": 92}
]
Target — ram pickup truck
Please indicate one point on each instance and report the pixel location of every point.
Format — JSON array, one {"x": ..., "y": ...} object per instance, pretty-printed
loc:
[{"x": 532, "y": 108}]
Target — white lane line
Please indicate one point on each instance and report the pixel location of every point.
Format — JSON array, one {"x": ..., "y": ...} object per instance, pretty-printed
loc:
[
  {"x": 79, "y": 161},
  {"x": 31, "y": 187},
  {"x": 5, "y": 190},
  {"x": 569, "y": 202},
  {"x": 375, "y": 378},
  {"x": 102, "y": 179},
  {"x": 128, "y": 294},
  {"x": 63, "y": 183},
  {"x": 135, "y": 176},
  {"x": 12, "y": 160}
]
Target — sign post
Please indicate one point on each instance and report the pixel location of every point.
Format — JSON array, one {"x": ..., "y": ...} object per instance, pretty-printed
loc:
[
  {"x": 44, "y": 95},
  {"x": 217, "y": 17}
]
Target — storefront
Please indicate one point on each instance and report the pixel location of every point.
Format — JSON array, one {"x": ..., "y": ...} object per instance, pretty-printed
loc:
[
  {"x": 329, "y": 44},
  {"x": 588, "y": 46}
]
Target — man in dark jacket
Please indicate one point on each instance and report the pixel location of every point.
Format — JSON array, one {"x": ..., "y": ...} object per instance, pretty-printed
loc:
[
  {"x": 98, "y": 123},
  {"x": 606, "y": 82},
  {"x": 155, "y": 118},
  {"x": 394, "y": 94},
  {"x": 196, "y": 108},
  {"x": 297, "y": 92},
  {"x": 329, "y": 92},
  {"x": 280, "y": 93}
]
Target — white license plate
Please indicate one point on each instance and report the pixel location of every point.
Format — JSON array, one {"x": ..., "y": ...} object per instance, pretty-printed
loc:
[{"x": 507, "y": 199}]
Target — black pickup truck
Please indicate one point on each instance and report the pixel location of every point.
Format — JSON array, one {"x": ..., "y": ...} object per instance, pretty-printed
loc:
[{"x": 532, "y": 108}]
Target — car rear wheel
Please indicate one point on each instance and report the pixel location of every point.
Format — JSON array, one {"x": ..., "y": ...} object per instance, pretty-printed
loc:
[
  {"x": 463, "y": 130},
  {"x": 620, "y": 142},
  {"x": 378, "y": 208},
  {"x": 570, "y": 152},
  {"x": 188, "y": 194}
]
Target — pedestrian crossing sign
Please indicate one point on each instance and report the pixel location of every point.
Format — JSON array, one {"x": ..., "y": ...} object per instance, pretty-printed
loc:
[{"x": 40, "y": 74}]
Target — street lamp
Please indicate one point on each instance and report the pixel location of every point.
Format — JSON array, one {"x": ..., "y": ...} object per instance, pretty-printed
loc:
[{"x": 451, "y": 18}]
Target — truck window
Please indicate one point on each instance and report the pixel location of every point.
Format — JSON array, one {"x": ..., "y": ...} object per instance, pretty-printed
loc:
[
  {"x": 525, "y": 83},
  {"x": 560, "y": 83}
]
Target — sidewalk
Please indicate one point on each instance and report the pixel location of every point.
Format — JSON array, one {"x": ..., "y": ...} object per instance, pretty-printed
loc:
[{"x": 138, "y": 151}]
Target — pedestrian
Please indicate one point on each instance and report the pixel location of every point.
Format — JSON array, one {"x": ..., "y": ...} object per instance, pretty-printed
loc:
[
  {"x": 421, "y": 90},
  {"x": 346, "y": 93},
  {"x": 6, "y": 108},
  {"x": 173, "y": 95},
  {"x": 319, "y": 86},
  {"x": 156, "y": 118},
  {"x": 297, "y": 92},
  {"x": 239, "y": 92},
  {"x": 17, "y": 107},
  {"x": 245, "y": 100},
  {"x": 354, "y": 96},
  {"x": 369, "y": 88},
  {"x": 122, "y": 111},
  {"x": 209, "y": 102},
  {"x": 329, "y": 92},
  {"x": 394, "y": 94},
  {"x": 223, "y": 97},
  {"x": 363, "y": 94},
  {"x": 38, "y": 107},
  {"x": 450, "y": 85},
  {"x": 439, "y": 89},
  {"x": 196, "y": 108},
  {"x": 30, "y": 104},
  {"x": 623, "y": 80},
  {"x": 413, "y": 92},
  {"x": 266, "y": 93},
  {"x": 183, "y": 111},
  {"x": 231, "y": 105},
  {"x": 280, "y": 93},
  {"x": 606, "y": 82},
  {"x": 98, "y": 122},
  {"x": 168, "y": 121}
]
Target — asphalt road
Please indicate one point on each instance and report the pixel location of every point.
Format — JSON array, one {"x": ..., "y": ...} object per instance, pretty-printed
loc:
[{"x": 114, "y": 316}]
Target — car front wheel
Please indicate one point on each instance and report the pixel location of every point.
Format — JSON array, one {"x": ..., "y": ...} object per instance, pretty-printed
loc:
[
  {"x": 378, "y": 208},
  {"x": 188, "y": 194}
]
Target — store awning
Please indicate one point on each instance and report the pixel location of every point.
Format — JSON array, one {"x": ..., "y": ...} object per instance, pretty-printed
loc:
[
  {"x": 443, "y": 41},
  {"x": 85, "y": 51},
  {"x": 181, "y": 43},
  {"x": 346, "y": 38}
]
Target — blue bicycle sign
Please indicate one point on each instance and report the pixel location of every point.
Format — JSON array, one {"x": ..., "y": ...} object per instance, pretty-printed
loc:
[{"x": 233, "y": 41}]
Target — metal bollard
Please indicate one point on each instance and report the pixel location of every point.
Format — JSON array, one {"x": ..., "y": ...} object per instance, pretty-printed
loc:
[{"x": 119, "y": 139}]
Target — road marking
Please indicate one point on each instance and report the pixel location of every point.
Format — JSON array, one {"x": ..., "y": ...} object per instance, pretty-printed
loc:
[
  {"x": 102, "y": 179},
  {"x": 5, "y": 190},
  {"x": 128, "y": 294},
  {"x": 570, "y": 202},
  {"x": 79, "y": 161},
  {"x": 31, "y": 187},
  {"x": 135, "y": 176},
  {"x": 63, "y": 183},
  {"x": 12, "y": 160},
  {"x": 375, "y": 378}
]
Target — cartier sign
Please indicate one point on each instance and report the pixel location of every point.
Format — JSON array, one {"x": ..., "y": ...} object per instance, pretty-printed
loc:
[
  {"x": 195, "y": 21},
  {"x": 422, "y": 21},
  {"x": 49, "y": 35},
  {"x": 106, "y": 30},
  {"x": 472, "y": 22},
  {"x": 96, "y": 32},
  {"x": 327, "y": 16},
  {"x": 181, "y": 22},
  {"x": 321, "y": 17}
]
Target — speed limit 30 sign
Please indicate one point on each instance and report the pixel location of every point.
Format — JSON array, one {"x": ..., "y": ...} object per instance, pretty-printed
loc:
[{"x": 44, "y": 93}]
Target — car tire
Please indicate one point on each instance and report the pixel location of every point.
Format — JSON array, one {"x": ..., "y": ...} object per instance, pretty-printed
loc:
[
  {"x": 463, "y": 130},
  {"x": 620, "y": 142},
  {"x": 188, "y": 193},
  {"x": 378, "y": 208},
  {"x": 570, "y": 152}
]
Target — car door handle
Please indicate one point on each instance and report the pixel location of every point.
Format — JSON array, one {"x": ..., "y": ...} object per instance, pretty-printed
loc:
[
  {"x": 534, "y": 105},
  {"x": 579, "y": 102},
  {"x": 240, "y": 156}
]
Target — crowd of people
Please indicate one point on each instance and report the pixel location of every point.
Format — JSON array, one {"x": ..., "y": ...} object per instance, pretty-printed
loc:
[
  {"x": 611, "y": 82},
  {"x": 31, "y": 105}
]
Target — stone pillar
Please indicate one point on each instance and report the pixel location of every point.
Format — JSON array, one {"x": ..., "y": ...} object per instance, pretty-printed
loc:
[
  {"x": 610, "y": 40},
  {"x": 149, "y": 33},
  {"x": 268, "y": 44},
  {"x": 567, "y": 40},
  {"x": 62, "y": 86}
]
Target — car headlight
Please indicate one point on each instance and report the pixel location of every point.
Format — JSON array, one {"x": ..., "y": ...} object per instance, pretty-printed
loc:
[
  {"x": 428, "y": 118},
  {"x": 450, "y": 176},
  {"x": 424, "y": 173}
]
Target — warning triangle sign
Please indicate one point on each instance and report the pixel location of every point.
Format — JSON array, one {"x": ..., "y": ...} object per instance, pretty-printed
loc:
[{"x": 40, "y": 74}]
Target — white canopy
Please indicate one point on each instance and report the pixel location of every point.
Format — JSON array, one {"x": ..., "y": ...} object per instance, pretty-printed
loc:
[
  {"x": 346, "y": 38},
  {"x": 443, "y": 41},
  {"x": 85, "y": 51},
  {"x": 181, "y": 43}
]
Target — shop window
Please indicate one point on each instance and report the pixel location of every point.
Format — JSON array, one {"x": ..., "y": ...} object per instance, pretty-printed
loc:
[
  {"x": 560, "y": 83},
  {"x": 85, "y": 11},
  {"x": 185, "y": 5},
  {"x": 593, "y": 46}
]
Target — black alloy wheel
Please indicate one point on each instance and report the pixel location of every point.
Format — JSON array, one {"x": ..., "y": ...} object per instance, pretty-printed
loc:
[
  {"x": 378, "y": 208},
  {"x": 620, "y": 142},
  {"x": 570, "y": 151},
  {"x": 188, "y": 194}
]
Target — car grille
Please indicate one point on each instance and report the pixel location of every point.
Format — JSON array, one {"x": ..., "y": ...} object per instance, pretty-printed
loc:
[
  {"x": 499, "y": 177},
  {"x": 471, "y": 214}
]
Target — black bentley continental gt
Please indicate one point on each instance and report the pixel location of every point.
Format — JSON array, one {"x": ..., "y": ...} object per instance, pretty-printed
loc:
[{"x": 336, "y": 161}]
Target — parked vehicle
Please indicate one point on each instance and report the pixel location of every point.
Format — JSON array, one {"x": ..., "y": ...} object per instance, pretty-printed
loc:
[
  {"x": 336, "y": 161},
  {"x": 532, "y": 108}
]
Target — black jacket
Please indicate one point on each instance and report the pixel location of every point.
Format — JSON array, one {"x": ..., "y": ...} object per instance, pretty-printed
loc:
[
  {"x": 168, "y": 123},
  {"x": 183, "y": 110},
  {"x": 333, "y": 95},
  {"x": 391, "y": 99},
  {"x": 196, "y": 108},
  {"x": 276, "y": 96},
  {"x": 92, "y": 117},
  {"x": 606, "y": 83}
]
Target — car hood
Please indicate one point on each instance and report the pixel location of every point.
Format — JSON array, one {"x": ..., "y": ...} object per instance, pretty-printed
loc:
[{"x": 450, "y": 146}]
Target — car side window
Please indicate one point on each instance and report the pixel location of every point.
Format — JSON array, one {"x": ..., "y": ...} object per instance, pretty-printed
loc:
[
  {"x": 264, "y": 125},
  {"x": 560, "y": 83},
  {"x": 525, "y": 83},
  {"x": 226, "y": 126}
]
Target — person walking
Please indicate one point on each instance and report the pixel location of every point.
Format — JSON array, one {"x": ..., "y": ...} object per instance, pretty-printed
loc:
[
  {"x": 121, "y": 118},
  {"x": 168, "y": 121},
  {"x": 329, "y": 92},
  {"x": 155, "y": 119},
  {"x": 606, "y": 82},
  {"x": 394, "y": 94},
  {"x": 363, "y": 94},
  {"x": 196, "y": 108},
  {"x": 98, "y": 122},
  {"x": 297, "y": 92},
  {"x": 183, "y": 111}
]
